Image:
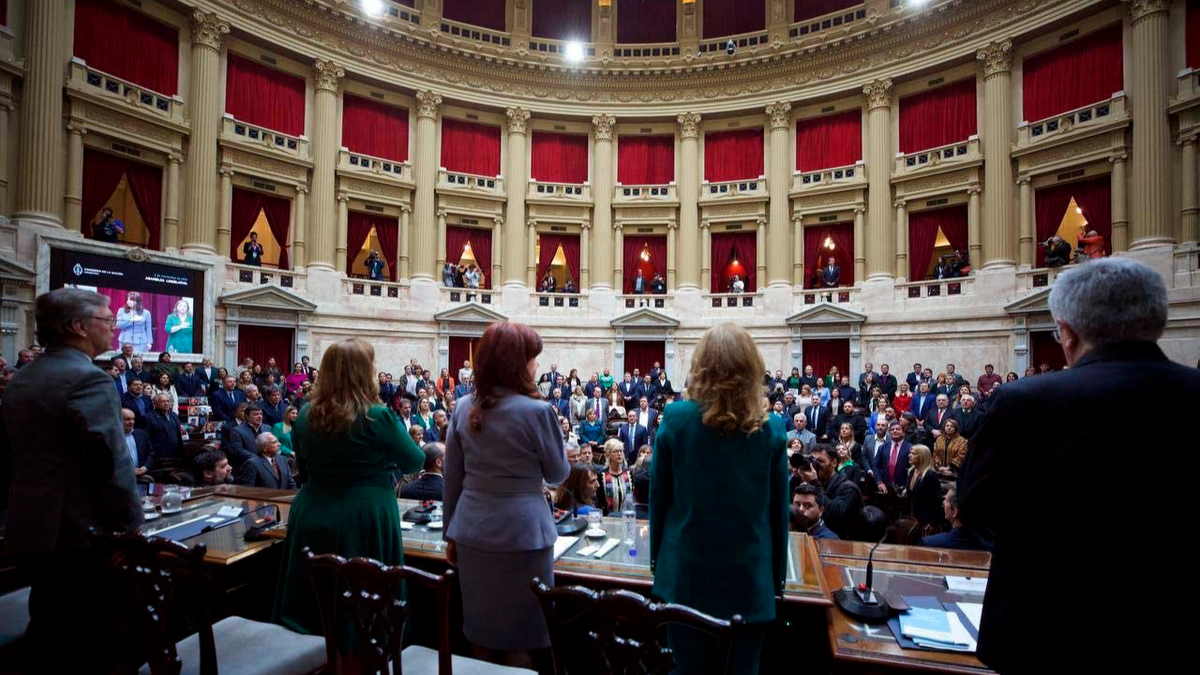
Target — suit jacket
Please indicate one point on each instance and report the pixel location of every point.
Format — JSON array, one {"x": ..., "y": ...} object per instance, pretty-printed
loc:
[
  {"x": 641, "y": 436},
  {"x": 562, "y": 406},
  {"x": 206, "y": 375},
  {"x": 71, "y": 468},
  {"x": 818, "y": 423},
  {"x": 1039, "y": 430},
  {"x": 602, "y": 418},
  {"x": 831, "y": 277},
  {"x": 432, "y": 435},
  {"x": 887, "y": 384},
  {"x": 144, "y": 451},
  {"x": 968, "y": 422},
  {"x": 627, "y": 389},
  {"x": 844, "y": 505},
  {"x": 273, "y": 414},
  {"x": 883, "y": 457},
  {"x": 461, "y": 390},
  {"x": 931, "y": 419},
  {"x": 256, "y": 472},
  {"x": 190, "y": 385},
  {"x": 913, "y": 383},
  {"x": 650, "y": 391},
  {"x": 862, "y": 379},
  {"x": 870, "y": 443},
  {"x": 807, "y": 438},
  {"x": 651, "y": 422},
  {"x": 589, "y": 386},
  {"x": 921, "y": 405},
  {"x": 145, "y": 375},
  {"x": 223, "y": 403},
  {"x": 243, "y": 445},
  {"x": 428, "y": 486},
  {"x": 164, "y": 434},
  {"x": 128, "y": 400}
]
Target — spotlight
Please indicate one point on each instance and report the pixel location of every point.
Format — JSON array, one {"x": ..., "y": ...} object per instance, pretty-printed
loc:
[
  {"x": 1078, "y": 210},
  {"x": 373, "y": 8},
  {"x": 918, "y": 3},
  {"x": 731, "y": 48},
  {"x": 573, "y": 52}
]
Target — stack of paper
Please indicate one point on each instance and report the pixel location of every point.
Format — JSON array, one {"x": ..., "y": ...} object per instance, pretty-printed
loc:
[
  {"x": 562, "y": 544},
  {"x": 936, "y": 629}
]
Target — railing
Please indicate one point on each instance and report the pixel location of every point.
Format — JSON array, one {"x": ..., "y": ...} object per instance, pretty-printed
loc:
[
  {"x": 1187, "y": 84},
  {"x": 1111, "y": 109},
  {"x": 237, "y": 274},
  {"x": 560, "y": 300},
  {"x": 836, "y": 19},
  {"x": 744, "y": 41},
  {"x": 469, "y": 32},
  {"x": 934, "y": 289},
  {"x": 372, "y": 288},
  {"x": 729, "y": 300},
  {"x": 7, "y": 38},
  {"x": 353, "y": 162},
  {"x": 646, "y": 193},
  {"x": 456, "y": 295},
  {"x": 837, "y": 296},
  {"x": 962, "y": 151},
  {"x": 457, "y": 180},
  {"x": 650, "y": 301},
  {"x": 547, "y": 48},
  {"x": 838, "y": 175},
  {"x": 654, "y": 50},
  {"x": 402, "y": 13},
  {"x": 572, "y": 192},
  {"x": 1187, "y": 265},
  {"x": 86, "y": 79},
  {"x": 243, "y": 132},
  {"x": 1039, "y": 277},
  {"x": 754, "y": 187}
]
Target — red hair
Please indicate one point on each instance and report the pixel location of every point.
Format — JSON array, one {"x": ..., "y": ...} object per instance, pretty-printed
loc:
[{"x": 501, "y": 361}]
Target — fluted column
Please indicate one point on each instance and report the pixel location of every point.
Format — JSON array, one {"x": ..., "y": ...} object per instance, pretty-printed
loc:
[
  {"x": 5, "y": 109},
  {"x": 439, "y": 240},
  {"x": 340, "y": 250},
  {"x": 672, "y": 237},
  {"x": 1027, "y": 252},
  {"x": 170, "y": 239},
  {"x": 902, "y": 240},
  {"x": 423, "y": 233},
  {"x": 778, "y": 230},
  {"x": 860, "y": 245},
  {"x": 1189, "y": 203},
  {"x": 516, "y": 182},
  {"x": 689, "y": 202},
  {"x": 1120, "y": 214},
  {"x": 299, "y": 252},
  {"x": 497, "y": 270},
  {"x": 531, "y": 241},
  {"x": 618, "y": 260},
  {"x": 585, "y": 258},
  {"x": 880, "y": 238},
  {"x": 402, "y": 255},
  {"x": 602, "y": 179},
  {"x": 999, "y": 231},
  {"x": 325, "y": 240},
  {"x": 798, "y": 251},
  {"x": 1149, "y": 91},
  {"x": 974, "y": 245},
  {"x": 706, "y": 256},
  {"x": 40, "y": 191},
  {"x": 225, "y": 221},
  {"x": 73, "y": 195},
  {"x": 761, "y": 252},
  {"x": 203, "y": 215}
]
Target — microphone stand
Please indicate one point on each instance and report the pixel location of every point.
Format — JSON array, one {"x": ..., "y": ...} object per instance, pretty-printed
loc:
[
  {"x": 572, "y": 524},
  {"x": 863, "y": 603}
]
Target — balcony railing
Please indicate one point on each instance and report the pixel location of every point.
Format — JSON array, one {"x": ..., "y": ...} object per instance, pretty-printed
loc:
[
  {"x": 569, "y": 192},
  {"x": 1096, "y": 114},
  {"x": 752, "y": 42},
  {"x": 648, "y": 51},
  {"x": 1037, "y": 278},
  {"x": 817, "y": 24},
  {"x": 248, "y": 275},
  {"x": 650, "y": 301},
  {"x": 398, "y": 12},
  {"x": 549, "y": 49},
  {"x": 353, "y": 162},
  {"x": 457, "y": 180},
  {"x": 754, "y": 187},
  {"x": 646, "y": 193},
  {"x": 837, "y": 296},
  {"x": 373, "y": 289},
  {"x": 1187, "y": 84},
  {"x": 243, "y": 132},
  {"x": 86, "y": 79},
  {"x": 938, "y": 288},
  {"x": 731, "y": 300},
  {"x": 953, "y": 153},
  {"x": 559, "y": 301},
  {"x": 456, "y": 296},
  {"x": 468, "y": 32},
  {"x": 838, "y": 175}
]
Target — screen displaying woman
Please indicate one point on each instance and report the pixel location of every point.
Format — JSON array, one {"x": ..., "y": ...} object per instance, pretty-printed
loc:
[{"x": 179, "y": 329}]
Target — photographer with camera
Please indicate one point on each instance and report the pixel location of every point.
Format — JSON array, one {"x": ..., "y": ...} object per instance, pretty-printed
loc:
[
  {"x": 1058, "y": 251},
  {"x": 107, "y": 228}
]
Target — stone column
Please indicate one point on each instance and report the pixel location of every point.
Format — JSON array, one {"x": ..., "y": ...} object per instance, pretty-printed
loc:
[
  {"x": 326, "y": 237},
  {"x": 689, "y": 200},
  {"x": 1120, "y": 214},
  {"x": 225, "y": 223},
  {"x": 778, "y": 231},
  {"x": 516, "y": 182},
  {"x": 706, "y": 256},
  {"x": 440, "y": 242},
  {"x": 203, "y": 216},
  {"x": 798, "y": 251},
  {"x": 672, "y": 236},
  {"x": 531, "y": 256},
  {"x": 1149, "y": 93},
  {"x": 5, "y": 109},
  {"x": 902, "y": 240},
  {"x": 73, "y": 196},
  {"x": 340, "y": 250},
  {"x": 998, "y": 232},
  {"x": 402, "y": 254},
  {"x": 1189, "y": 203},
  {"x": 1027, "y": 248},
  {"x": 497, "y": 248},
  {"x": 585, "y": 256},
  {"x": 860, "y": 245},
  {"x": 619, "y": 259},
  {"x": 880, "y": 239},
  {"x": 425, "y": 168},
  {"x": 602, "y": 195},
  {"x": 761, "y": 253},
  {"x": 299, "y": 252},
  {"x": 974, "y": 247},
  {"x": 170, "y": 238},
  {"x": 40, "y": 191}
]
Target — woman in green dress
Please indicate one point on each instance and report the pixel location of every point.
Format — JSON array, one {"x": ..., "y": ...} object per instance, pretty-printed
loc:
[
  {"x": 721, "y": 556},
  {"x": 347, "y": 445},
  {"x": 179, "y": 329},
  {"x": 283, "y": 429}
]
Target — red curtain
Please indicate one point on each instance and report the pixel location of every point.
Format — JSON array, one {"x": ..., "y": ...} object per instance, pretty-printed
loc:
[
  {"x": 358, "y": 228},
  {"x": 245, "y": 209},
  {"x": 388, "y": 231},
  {"x": 102, "y": 174},
  {"x": 563, "y": 20},
  {"x": 128, "y": 44},
  {"x": 736, "y": 154},
  {"x": 484, "y": 13},
  {"x": 159, "y": 305},
  {"x": 642, "y": 354},
  {"x": 657, "y": 248},
  {"x": 1073, "y": 75},
  {"x": 823, "y": 354},
  {"x": 570, "y": 247},
  {"x": 922, "y": 235},
  {"x": 645, "y": 160},
  {"x": 547, "y": 248},
  {"x": 1043, "y": 349},
  {"x": 1094, "y": 196},
  {"x": 375, "y": 129},
  {"x": 559, "y": 158},
  {"x": 1049, "y": 205},
  {"x": 481, "y": 246},
  {"x": 146, "y": 182},
  {"x": 470, "y": 148},
  {"x": 265, "y": 342},
  {"x": 816, "y": 255},
  {"x": 937, "y": 117},
  {"x": 4, "y": 12},
  {"x": 727, "y": 247},
  {"x": 263, "y": 96},
  {"x": 646, "y": 21},
  {"x": 808, "y": 9},
  {"x": 461, "y": 349},
  {"x": 1192, "y": 34},
  {"x": 827, "y": 142},
  {"x": 549, "y": 244},
  {"x": 733, "y": 17}
]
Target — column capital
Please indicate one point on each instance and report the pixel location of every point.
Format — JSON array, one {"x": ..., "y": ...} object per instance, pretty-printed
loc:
[
  {"x": 77, "y": 129},
  {"x": 428, "y": 103},
  {"x": 996, "y": 57},
  {"x": 1024, "y": 180},
  {"x": 704, "y": 225},
  {"x": 498, "y": 220},
  {"x": 530, "y": 223},
  {"x": 1121, "y": 157},
  {"x": 441, "y": 214},
  {"x": 328, "y": 74},
  {"x": 302, "y": 189},
  {"x": 778, "y": 112},
  {"x": 227, "y": 171},
  {"x": 518, "y": 119},
  {"x": 975, "y": 189},
  {"x": 760, "y": 221},
  {"x": 798, "y": 219},
  {"x": 1140, "y": 9},
  {"x": 405, "y": 208},
  {"x": 689, "y": 125},
  {"x": 208, "y": 30},
  {"x": 174, "y": 158},
  {"x": 900, "y": 203},
  {"x": 343, "y": 198},
  {"x": 860, "y": 210},
  {"x": 1185, "y": 139},
  {"x": 604, "y": 125},
  {"x": 878, "y": 93},
  {"x": 672, "y": 225}
]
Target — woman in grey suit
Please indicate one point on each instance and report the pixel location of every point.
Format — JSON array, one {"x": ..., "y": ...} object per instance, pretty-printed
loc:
[{"x": 503, "y": 443}]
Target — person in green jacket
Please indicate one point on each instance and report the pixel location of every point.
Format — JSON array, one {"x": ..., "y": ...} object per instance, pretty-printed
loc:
[
  {"x": 179, "y": 329},
  {"x": 283, "y": 429},
  {"x": 719, "y": 506},
  {"x": 347, "y": 445}
]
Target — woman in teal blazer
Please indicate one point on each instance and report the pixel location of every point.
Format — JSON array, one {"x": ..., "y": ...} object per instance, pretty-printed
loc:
[{"x": 725, "y": 555}]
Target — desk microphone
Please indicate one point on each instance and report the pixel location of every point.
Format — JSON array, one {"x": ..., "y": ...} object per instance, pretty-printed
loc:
[
  {"x": 572, "y": 523},
  {"x": 862, "y": 603}
]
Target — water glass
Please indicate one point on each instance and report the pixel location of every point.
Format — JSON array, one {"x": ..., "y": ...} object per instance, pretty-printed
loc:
[{"x": 172, "y": 500}]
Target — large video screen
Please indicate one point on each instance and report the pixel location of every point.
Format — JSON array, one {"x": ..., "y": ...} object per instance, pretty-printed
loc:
[{"x": 158, "y": 307}]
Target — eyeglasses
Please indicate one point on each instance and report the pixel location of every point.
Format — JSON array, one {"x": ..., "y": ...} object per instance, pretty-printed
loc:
[{"x": 110, "y": 320}]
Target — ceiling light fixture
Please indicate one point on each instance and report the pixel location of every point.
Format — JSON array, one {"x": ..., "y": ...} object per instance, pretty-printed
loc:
[
  {"x": 573, "y": 52},
  {"x": 373, "y": 8}
]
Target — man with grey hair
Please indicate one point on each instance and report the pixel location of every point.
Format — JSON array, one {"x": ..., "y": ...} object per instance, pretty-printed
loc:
[
  {"x": 1061, "y": 566},
  {"x": 264, "y": 469},
  {"x": 164, "y": 429},
  {"x": 71, "y": 472},
  {"x": 429, "y": 484}
]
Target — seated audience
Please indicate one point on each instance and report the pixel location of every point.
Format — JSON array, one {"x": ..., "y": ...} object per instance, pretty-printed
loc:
[
  {"x": 265, "y": 469},
  {"x": 210, "y": 467},
  {"x": 615, "y": 485},
  {"x": 959, "y": 536},
  {"x": 807, "y": 512},
  {"x": 429, "y": 485},
  {"x": 578, "y": 492}
]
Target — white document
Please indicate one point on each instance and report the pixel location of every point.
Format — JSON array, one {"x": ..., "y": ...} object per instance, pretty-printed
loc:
[
  {"x": 562, "y": 545},
  {"x": 966, "y": 584},
  {"x": 608, "y": 546},
  {"x": 405, "y": 525},
  {"x": 974, "y": 612}
]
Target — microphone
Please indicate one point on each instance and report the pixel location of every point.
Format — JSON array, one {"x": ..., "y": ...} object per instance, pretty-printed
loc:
[
  {"x": 862, "y": 603},
  {"x": 570, "y": 523}
]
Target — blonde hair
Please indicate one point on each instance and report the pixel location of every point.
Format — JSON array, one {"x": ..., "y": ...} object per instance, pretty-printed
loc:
[
  {"x": 615, "y": 444},
  {"x": 725, "y": 380},
  {"x": 347, "y": 389},
  {"x": 920, "y": 462}
]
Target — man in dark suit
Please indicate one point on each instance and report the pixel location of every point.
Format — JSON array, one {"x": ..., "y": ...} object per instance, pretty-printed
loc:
[
  {"x": 808, "y": 378},
  {"x": 818, "y": 418},
  {"x": 1055, "y": 429},
  {"x": 846, "y": 391},
  {"x": 561, "y": 405},
  {"x": 429, "y": 484},
  {"x": 831, "y": 274},
  {"x": 923, "y": 401},
  {"x": 274, "y": 407},
  {"x": 887, "y": 382},
  {"x": 593, "y": 383},
  {"x": 464, "y": 387},
  {"x": 600, "y": 404},
  {"x": 164, "y": 429},
  {"x": 849, "y": 416},
  {"x": 224, "y": 400},
  {"x": 243, "y": 440},
  {"x": 891, "y": 460},
  {"x": 648, "y": 389},
  {"x": 639, "y": 284},
  {"x": 208, "y": 375},
  {"x": 138, "y": 443},
  {"x": 434, "y": 433},
  {"x": 138, "y": 372},
  {"x": 628, "y": 387},
  {"x": 121, "y": 366},
  {"x": 654, "y": 371},
  {"x": 188, "y": 382},
  {"x": 633, "y": 435},
  {"x": 239, "y": 418},
  {"x": 138, "y": 402},
  {"x": 868, "y": 369},
  {"x": 969, "y": 417},
  {"x": 915, "y": 378},
  {"x": 954, "y": 379},
  {"x": 937, "y": 417},
  {"x": 71, "y": 471},
  {"x": 647, "y": 417},
  {"x": 265, "y": 469}
]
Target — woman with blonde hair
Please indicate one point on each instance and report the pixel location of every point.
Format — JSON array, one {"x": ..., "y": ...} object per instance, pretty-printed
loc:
[
  {"x": 615, "y": 485},
  {"x": 347, "y": 445},
  {"x": 721, "y": 425},
  {"x": 924, "y": 487}
]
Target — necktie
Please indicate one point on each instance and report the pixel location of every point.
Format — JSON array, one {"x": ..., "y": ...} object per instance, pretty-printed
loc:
[
  {"x": 274, "y": 467},
  {"x": 940, "y": 413},
  {"x": 892, "y": 462},
  {"x": 597, "y": 409}
]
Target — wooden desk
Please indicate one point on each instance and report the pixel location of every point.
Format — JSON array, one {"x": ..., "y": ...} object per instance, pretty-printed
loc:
[
  {"x": 899, "y": 570},
  {"x": 226, "y": 545}
]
